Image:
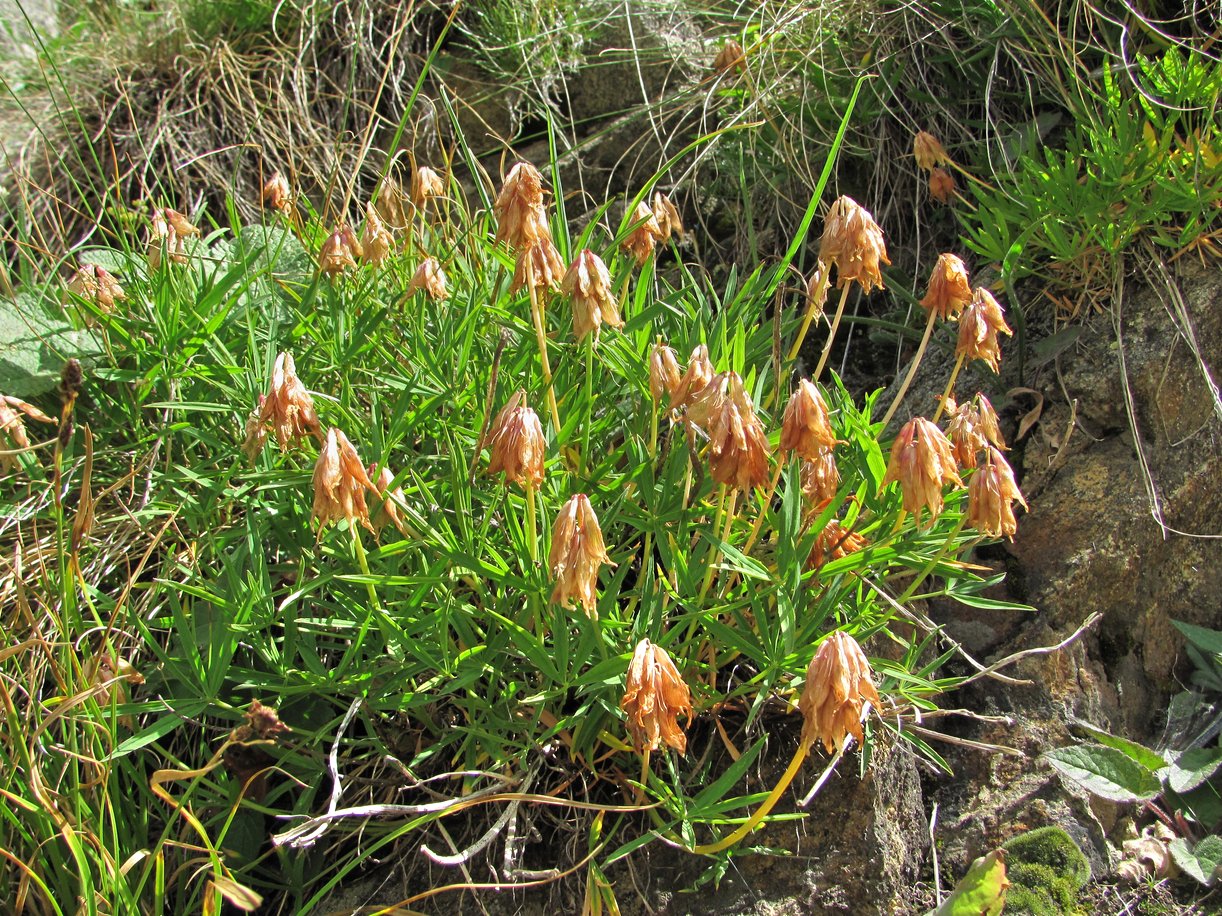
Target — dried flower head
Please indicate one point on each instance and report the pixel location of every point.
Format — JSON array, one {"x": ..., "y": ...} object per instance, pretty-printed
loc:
[
  {"x": 806, "y": 426},
  {"x": 820, "y": 477},
  {"x": 832, "y": 543},
  {"x": 730, "y": 57},
  {"x": 949, "y": 290},
  {"x": 991, "y": 494},
  {"x": 839, "y": 683},
  {"x": 979, "y": 326},
  {"x": 922, "y": 462},
  {"x": 516, "y": 442},
  {"x": 589, "y": 284},
  {"x": 340, "y": 483},
  {"x": 928, "y": 151},
  {"x": 654, "y": 698},
  {"x": 941, "y": 186},
  {"x": 12, "y": 429},
  {"x": 389, "y": 506},
  {"x": 664, "y": 375},
  {"x": 854, "y": 243},
  {"x": 971, "y": 427},
  {"x": 376, "y": 240},
  {"x": 168, "y": 235},
  {"x": 646, "y": 233},
  {"x": 287, "y": 410},
  {"x": 695, "y": 378},
  {"x": 339, "y": 252},
  {"x": 538, "y": 265},
  {"x": 426, "y": 184},
  {"x": 520, "y": 216},
  {"x": 738, "y": 445},
  {"x": 390, "y": 204},
  {"x": 666, "y": 214},
  {"x": 431, "y": 278},
  {"x": 277, "y": 195},
  {"x": 576, "y": 555},
  {"x": 97, "y": 286}
]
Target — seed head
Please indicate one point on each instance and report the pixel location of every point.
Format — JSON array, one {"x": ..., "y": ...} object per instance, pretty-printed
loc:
[
  {"x": 949, "y": 289},
  {"x": 340, "y": 483},
  {"x": 664, "y": 375},
  {"x": 979, "y": 326},
  {"x": 654, "y": 698},
  {"x": 854, "y": 243},
  {"x": 738, "y": 446},
  {"x": 277, "y": 195},
  {"x": 13, "y": 434},
  {"x": 730, "y": 57},
  {"x": 339, "y": 252},
  {"x": 376, "y": 240},
  {"x": 922, "y": 462},
  {"x": 426, "y": 184},
  {"x": 839, "y": 683},
  {"x": 589, "y": 284},
  {"x": 928, "y": 151},
  {"x": 806, "y": 426},
  {"x": 991, "y": 494},
  {"x": 98, "y": 286},
  {"x": 517, "y": 444},
  {"x": 576, "y": 555},
  {"x": 666, "y": 214},
  {"x": 287, "y": 410},
  {"x": 694, "y": 380},
  {"x": 941, "y": 186},
  {"x": 820, "y": 477},
  {"x": 431, "y": 278},
  {"x": 520, "y": 217},
  {"x": 641, "y": 240}
]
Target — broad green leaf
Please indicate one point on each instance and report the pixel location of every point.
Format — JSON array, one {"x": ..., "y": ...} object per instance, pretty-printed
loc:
[
  {"x": 1149, "y": 759},
  {"x": 1193, "y": 767},
  {"x": 1106, "y": 772},
  {"x": 982, "y": 892},
  {"x": 1203, "y": 638},
  {"x": 1202, "y": 861},
  {"x": 34, "y": 347}
]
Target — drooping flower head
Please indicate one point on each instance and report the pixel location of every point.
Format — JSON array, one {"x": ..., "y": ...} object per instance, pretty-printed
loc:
[
  {"x": 664, "y": 372},
  {"x": 807, "y": 426},
  {"x": 376, "y": 240},
  {"x": 991, "y": 494},
  {"x": 538, "y": 266},
  {"x": 431, "y": 278},
  {"x": 286, "y": 410},
  {"x": 820, "y": 477},
  {"x": 833, "y": 542},
  {"x": 979, "y": 326},
  {"x": 949, "y": 290},
  {"x": 655, "y": 695},
  {"x": 839, "y": 683},
  {"x": 971, "y": 427},
  {"x": 922, "y": 462},
  {"x": 666, "y": 214},
  {"x": 695, "y": 378},
  {"x": 277, "y": 195},
  {"x": 854, "y": 243},
  {"x": 730, "y": 57},
  {"x": 517, "y": 444},
  {"x": 339, "y": 252},
  {"x": 168, "y": 236},
  {"x": 388, "y": 509},
  {"x": 426, "y": 184},
  {"x": 577, "y": 553},
  {"x": 98, "y": 286},
  {"x": 928, "y": 151},
  {"x": 13, "y": 433},
  {"x": 738, "y": 445},
  {"x": 588, "y": 283},
  {"x": 941, "y": 185},
  {"x": 645, "y": 235},
  {"x": 520, "y": 216},
  {"x": 340, "y": 482}
]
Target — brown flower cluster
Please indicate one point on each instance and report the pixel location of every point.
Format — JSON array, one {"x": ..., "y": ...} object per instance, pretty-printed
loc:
[
  {"x": 972, "y": 426},
  {"x": 664, "y": 372},
  {"x": 517, "y": 444},
  {"x": 820, "y": 478},
  {"x": 738, "y": 445},
  {"x": 376, "y": 240},
  {"x": 655, "y": 695},
  {"x": 391, "y": 203},
  {"x": 730, "y": 57},
  {"x": 340, "y": 251},
  {"x": 839, "y": 683},
  {"x": 389, "y": 509},
  {"x": 588, "y": 283},
  {"x": 13, "y": 434},
  {"x": 949, "y": 290},
  {"x": 832, "y": 543},
  {"x": 979, "y": 326},
  {"x": 97, "y": 286},
  {"x": 941, "y": 186},
  {"x": 277, "y": 195},
  {"x": 991, "y": 494},
  {"x": 854, "y": 243},
  {"x": 666, "y": 214},
  {"x": 522, "y": 225},
  {"x": 340, "y": 482},
  {"x": 426, "y": 184},
  {"x": 928, "y": 151},
  {"x": 431, "y": 278},
  {"x": 645, "y": 234},
  {"x": 922, "y": 462},
  {"x": 576, "y": 555},
  {"x": 287, "y": 410},
  {"x": 168, "y": 237},
  {"x": 806, "y": 427}
]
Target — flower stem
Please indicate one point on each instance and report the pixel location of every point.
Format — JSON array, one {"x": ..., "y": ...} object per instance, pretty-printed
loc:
[
  {"x": 831, "y": 334},
  {"x": 762, "y": 811},
  {"x": 589, "y": 405},
  {"x": 725, "y": 536},
  {"x": 950, "y": 387},
  {"x": 536, "y": 314},
  {"x": 532, "y": 526},
  {"x": 813, "y": 305},
  {"x": 924, "y": 573},
  {"x": 916, "y": 361}
]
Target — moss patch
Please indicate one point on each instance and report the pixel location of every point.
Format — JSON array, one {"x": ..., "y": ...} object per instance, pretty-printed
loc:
[{"x": 1047, "y": 872}]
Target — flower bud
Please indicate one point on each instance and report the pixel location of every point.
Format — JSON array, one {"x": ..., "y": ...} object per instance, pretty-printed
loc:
[
  {"x": 576, "y": 555},
  {"x": 516, "y": 443},
  {"x": 928, "y": 151},
  {"x": 839, "y": 683},
  {"x": 941, "y": 186},
  {"x": 645, "y": 233},
  {"x": 991, "y": 494},
  {"x": 806, "y": 426},
  {"x": 949, "y": 290},
  {"x": 979, "y": 326},
  {"x": 730, "y": 57},
  {"x": 589, "y": 285},
  {"x": 431, "y": 278},
  {"x": 922, "y": 462},
  {"x": 854, "y": 243},
  {"x": 340, "y": 483},
  {"x": 654, "y": 697}
]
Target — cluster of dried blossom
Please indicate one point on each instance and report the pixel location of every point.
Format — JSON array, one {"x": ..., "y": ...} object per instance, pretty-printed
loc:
[{"x": 931, "y": 156}]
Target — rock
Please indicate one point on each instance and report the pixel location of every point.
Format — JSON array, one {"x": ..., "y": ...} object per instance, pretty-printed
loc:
[{"x": 25, "y": 25}]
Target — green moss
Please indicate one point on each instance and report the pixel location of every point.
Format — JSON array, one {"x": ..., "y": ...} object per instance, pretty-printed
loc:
[{"x": 1046, "y": 871}]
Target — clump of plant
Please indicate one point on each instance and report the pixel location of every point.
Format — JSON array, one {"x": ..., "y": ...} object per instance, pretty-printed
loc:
[{"x": 1046, "y": 870}]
